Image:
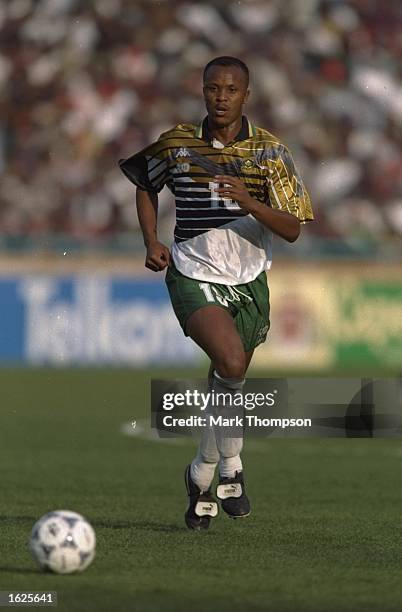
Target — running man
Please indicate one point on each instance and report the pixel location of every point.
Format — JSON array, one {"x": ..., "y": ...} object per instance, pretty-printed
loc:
[{"x": 234, "y": 185}]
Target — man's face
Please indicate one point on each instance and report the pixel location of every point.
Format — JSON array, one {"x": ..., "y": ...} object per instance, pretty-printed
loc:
[{"x": 225, "y": 92}]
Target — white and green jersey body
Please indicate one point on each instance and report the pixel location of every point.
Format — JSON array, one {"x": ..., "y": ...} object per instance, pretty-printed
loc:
[{"x": 215, "y": 240}]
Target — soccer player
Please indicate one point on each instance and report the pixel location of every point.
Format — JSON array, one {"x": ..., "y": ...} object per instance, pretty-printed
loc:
[{"x": 234, "y": 185}]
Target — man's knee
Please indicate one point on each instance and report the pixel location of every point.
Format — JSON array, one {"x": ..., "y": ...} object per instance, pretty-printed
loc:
[{"x": 232, "y": 364}]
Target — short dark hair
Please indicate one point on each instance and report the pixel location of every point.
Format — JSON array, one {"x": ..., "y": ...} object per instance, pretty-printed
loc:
[{"x": 227, "y": 60}]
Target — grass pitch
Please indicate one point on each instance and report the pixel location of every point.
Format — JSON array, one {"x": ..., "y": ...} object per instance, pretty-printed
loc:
[{"x": 324, "y": 534}]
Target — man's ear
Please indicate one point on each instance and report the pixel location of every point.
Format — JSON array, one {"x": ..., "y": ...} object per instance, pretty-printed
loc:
[{"x": 246, "y": 97}]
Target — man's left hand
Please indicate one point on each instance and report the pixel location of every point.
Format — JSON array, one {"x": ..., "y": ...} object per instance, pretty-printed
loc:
[{"x": 235, "y": 189}]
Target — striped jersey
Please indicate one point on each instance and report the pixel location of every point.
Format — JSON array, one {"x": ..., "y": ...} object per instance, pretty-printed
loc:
[{"x": 215, "y": 240}]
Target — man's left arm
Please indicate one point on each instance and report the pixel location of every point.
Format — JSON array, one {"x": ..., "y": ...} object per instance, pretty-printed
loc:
[
  {"x": 281, "y": 222},
  {"x": 289, "y": 203}
]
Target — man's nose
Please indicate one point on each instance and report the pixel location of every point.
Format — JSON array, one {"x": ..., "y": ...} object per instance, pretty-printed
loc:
[{"x": 221, "y": 95}]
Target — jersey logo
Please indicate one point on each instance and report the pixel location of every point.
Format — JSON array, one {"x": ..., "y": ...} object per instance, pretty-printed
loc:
[
  {"x": 247, "y": 164},
  {"x": 182, "y": 152}
]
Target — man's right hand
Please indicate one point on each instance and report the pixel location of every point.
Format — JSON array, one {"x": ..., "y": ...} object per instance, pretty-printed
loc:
[{"x": 158, "y": 257}]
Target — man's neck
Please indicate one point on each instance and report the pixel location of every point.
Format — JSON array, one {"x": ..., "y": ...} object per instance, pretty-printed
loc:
[{"x": 225, "y": 134}]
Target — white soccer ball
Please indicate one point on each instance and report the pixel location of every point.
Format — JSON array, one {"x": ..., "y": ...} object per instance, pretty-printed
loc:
[{"x": 63, "y": 542}]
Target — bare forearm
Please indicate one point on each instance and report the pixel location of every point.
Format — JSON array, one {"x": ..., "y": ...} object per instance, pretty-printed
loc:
[
  {"x": 158, "y": 254},
  {"x": 147, "y": 210},
  {"x": 280, "y": 222}
]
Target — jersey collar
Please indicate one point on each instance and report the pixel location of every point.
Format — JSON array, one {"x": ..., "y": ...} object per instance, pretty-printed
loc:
[{"x": 247, "y": 130}]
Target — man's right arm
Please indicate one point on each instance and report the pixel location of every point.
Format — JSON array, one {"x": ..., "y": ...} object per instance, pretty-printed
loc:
[{"x": 158, "y": 255}]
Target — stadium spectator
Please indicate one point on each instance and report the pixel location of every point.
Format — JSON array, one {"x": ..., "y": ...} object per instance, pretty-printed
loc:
[{"x": 84, "y": 84}]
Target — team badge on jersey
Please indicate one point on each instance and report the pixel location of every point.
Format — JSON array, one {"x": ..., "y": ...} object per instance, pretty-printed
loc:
[{"x": 247, "y": 164}]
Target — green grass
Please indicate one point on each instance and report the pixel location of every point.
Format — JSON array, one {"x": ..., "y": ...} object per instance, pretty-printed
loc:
[{"x": 324, "y": 535}]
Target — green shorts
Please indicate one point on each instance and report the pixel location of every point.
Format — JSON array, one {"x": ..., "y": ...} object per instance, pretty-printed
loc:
[{"x": 248, "y": 303}]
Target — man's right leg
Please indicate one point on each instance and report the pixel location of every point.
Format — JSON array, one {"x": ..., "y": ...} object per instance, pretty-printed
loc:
[
  {"x": 214, "y": 330},
  {"x": 247, "y": 356},
  {"x": 204, "y": 465}
]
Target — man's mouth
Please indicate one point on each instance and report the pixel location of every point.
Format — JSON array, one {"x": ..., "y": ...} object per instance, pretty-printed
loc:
[{"x": 221, "y": 111}]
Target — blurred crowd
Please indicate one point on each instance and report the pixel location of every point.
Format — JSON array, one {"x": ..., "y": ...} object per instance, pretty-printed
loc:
[{"x": 85, "y": 83}]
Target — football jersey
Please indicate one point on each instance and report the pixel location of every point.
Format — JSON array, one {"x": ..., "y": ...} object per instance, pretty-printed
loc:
[{"x": 215, "y": 240}]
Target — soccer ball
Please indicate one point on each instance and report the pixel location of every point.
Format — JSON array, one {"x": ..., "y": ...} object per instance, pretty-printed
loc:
[{"x": 63, "y": 542}]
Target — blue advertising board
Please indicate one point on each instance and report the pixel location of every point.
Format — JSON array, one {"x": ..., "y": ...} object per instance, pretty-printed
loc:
[{"x": 89, "y": 320}]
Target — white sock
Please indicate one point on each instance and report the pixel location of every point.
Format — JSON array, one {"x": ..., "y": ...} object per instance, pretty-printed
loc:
[
  {"x": 202, "y": 473},
  {"x": 202, "y": 468},
  {"x": 214, "y": 445},
  {"x": 228, "y": 447},
  {"x": 208, "y": 450},
  {"x": 228, "y": 466}
]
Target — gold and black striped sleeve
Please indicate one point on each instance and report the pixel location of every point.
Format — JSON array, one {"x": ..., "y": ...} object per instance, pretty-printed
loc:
[{"x": 286, "y": 188}]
